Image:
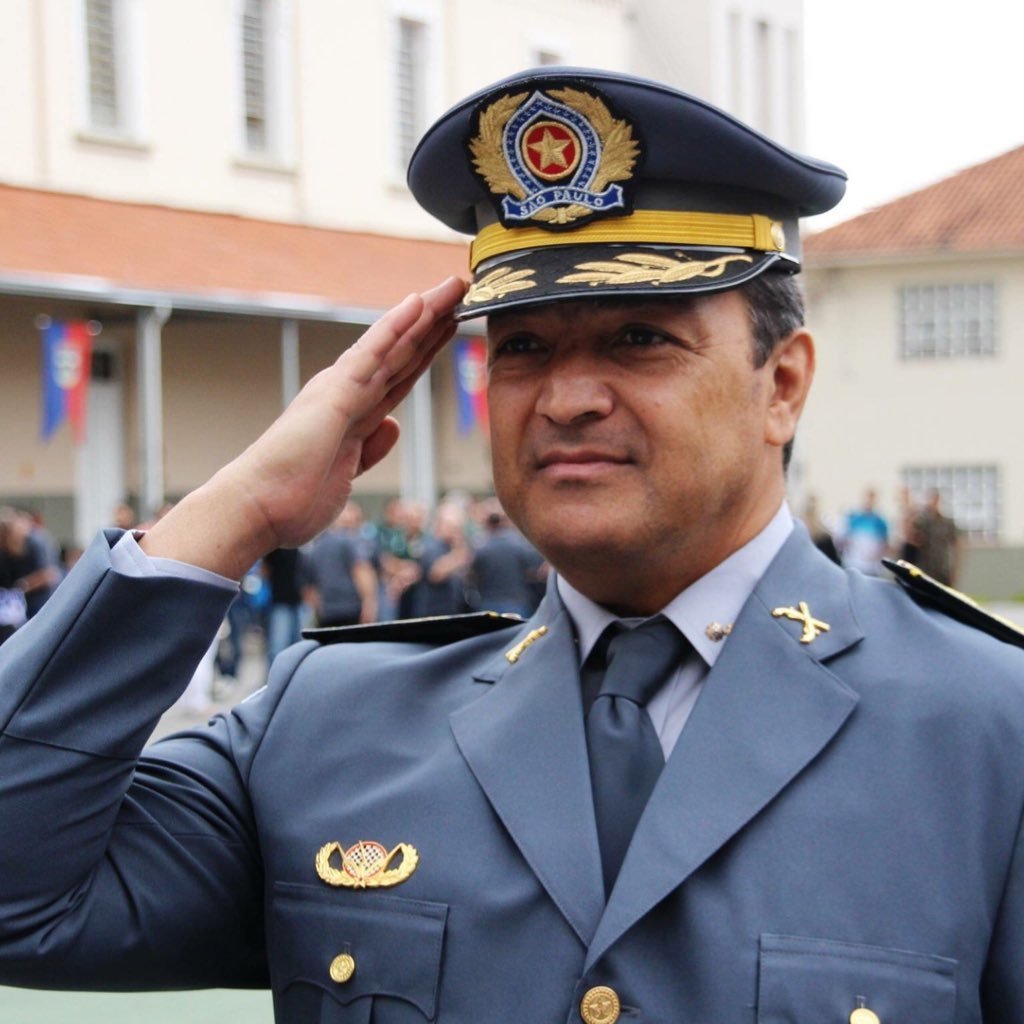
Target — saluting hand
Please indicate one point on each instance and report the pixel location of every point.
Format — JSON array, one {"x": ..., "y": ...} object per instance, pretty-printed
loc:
[{"x": 291, "y": 483}]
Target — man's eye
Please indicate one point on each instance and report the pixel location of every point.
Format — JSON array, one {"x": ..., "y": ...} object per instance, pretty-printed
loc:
[
  {"x": 518, "y": 344},
  {"x": 643, "y": 337}
]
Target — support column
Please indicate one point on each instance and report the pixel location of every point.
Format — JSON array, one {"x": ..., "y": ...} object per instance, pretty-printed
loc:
[
  {"x": 149, "y": 387},
  {"x": 289, "y": 360},
  {"x": 418, "y": 474}
]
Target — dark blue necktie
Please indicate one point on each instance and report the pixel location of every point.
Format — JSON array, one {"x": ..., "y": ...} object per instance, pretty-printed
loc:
[{"x": 625, "y": 754}]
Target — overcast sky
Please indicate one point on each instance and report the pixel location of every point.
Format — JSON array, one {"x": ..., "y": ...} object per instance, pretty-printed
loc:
[{"x": 902, "y": 93}]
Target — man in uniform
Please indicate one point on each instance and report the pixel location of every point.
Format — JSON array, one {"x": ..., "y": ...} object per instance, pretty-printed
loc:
[{"x": 715, "y": 778}]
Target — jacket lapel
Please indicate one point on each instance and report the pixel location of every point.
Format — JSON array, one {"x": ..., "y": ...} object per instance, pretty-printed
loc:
[
  {"x": 767, "y": 709},
  {"x": 525, "y": 744}
]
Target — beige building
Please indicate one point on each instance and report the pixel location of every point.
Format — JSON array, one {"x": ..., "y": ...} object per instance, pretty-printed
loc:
[
  {"x": 218, "y": 185},
  {"x": 918, "y": 307}
]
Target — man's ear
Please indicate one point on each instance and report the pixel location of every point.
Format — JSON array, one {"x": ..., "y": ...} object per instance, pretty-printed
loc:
[{"x": 791, "y": 365}]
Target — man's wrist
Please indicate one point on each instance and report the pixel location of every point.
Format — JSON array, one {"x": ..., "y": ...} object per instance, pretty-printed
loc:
[{"x": 212, "y": 528}]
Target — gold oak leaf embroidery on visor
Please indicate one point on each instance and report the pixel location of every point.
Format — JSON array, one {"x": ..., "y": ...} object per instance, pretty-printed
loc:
[
  {"x": 648, "y": 268},
  {"x": 366, "y": 865},
  {"x": 497, "y": 284}
]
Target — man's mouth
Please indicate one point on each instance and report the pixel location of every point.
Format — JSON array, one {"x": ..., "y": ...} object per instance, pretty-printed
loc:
[{"x": 580, "y": 463}]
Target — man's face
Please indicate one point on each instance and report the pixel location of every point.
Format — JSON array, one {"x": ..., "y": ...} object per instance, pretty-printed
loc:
[{"x": 635, "y": 443}]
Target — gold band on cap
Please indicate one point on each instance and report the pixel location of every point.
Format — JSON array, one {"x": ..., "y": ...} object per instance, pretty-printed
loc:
[{"x": 668, "y": 227}]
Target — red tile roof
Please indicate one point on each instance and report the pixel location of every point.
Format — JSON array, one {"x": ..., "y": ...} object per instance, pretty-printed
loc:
[
  {"x": 155, "y": 248},
  {"x": 980, "y": 209}
]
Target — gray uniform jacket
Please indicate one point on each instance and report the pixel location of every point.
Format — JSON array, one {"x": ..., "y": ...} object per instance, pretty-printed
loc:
[{"x": 837, "y": 826}]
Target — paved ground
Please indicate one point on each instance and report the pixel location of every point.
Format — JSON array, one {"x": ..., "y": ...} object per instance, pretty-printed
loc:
[{"x": 21, "y": 1006}]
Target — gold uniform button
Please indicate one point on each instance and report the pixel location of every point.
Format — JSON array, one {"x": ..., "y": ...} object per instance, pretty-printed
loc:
[
  {"x": 343, "y": 966},
  {"x": 600, "y": 1005},
  {"x": 862, "y": 1015}
]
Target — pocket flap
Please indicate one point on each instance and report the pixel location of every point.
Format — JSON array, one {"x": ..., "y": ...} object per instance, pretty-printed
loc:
[
  {"x": 814, "y": 980},
  {"x": 394, "y": 945}
]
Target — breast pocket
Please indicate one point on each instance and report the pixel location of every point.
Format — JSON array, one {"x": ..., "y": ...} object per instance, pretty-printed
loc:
[
  {"x": 810, "y": 981},
  {"x": 354, "y": 957}
]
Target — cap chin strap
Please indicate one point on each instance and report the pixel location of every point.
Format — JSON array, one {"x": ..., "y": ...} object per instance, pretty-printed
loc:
[{"x": 653, "y": 227}]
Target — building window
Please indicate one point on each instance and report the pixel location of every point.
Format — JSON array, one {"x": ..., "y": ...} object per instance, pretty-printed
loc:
[
  {"x": 111, "y": 82},
  {"x": 254, "y": 74},
  {"x": 943, "y": 321},
  {"x": 969, "y": 494},
  {"x": 101, "y": 45},
  {"x": 410, "y": 87},
  {"x": 263, "y": 49}
]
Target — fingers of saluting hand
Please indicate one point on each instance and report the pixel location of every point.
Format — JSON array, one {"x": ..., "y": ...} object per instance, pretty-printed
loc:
[{"x": 387, "y": 360}]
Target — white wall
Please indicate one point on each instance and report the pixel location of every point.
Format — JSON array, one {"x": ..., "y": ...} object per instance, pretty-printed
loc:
[
  {"x": 338, "y": 167},
  {"x": 872, "y": 413}
]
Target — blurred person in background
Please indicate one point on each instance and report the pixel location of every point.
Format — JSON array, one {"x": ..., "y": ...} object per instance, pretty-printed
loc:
[
  {"x": 339, "y": 583},
  {"x": 440, "y": 584},
  {"x": 505, "y": 566},
  {"x": 27, "y": 577},
  {"x": 45, "y": 548},
  {"x": 821, "y": 536},
  {"x": 400, "y": 562},
  {"x": 865, "y": 537},
  {"x": 124, "y": 517},
  {"x": 936, "y": 541},
  {"x": 281, "y": 569}
]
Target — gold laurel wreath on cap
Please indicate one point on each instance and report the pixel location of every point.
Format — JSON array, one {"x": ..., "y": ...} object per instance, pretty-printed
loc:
[
  {"x": 619, "y": 149},
  {"x": 497, "y": 284},
  {"x": 648, "y": 268},
  {"x": 488, "y": 152}
]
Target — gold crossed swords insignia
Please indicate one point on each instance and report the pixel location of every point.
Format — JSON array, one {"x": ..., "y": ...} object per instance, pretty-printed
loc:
[
  {"x": 801, "y": 613},
  {"x": 366, "y": 865}
]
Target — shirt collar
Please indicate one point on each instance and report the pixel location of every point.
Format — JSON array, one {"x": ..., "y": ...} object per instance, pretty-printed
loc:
[{"x": 716, "y": 597}]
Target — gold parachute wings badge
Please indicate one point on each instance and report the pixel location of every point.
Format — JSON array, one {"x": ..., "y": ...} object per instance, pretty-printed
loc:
[{"x": 366, "y": 865}]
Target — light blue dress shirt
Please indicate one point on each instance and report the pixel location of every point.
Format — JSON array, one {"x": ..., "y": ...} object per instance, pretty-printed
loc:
[{"x": 716, "y": 597}]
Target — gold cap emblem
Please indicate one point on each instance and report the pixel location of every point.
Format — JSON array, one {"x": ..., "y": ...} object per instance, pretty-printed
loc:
[{"x": 554, "y": 157}]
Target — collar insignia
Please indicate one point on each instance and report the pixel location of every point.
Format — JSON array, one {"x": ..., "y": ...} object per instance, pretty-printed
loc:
[
  {"x": 513, "y": 655},
  {"x": 366, "y": 865},
  {"x": 813, "y": 627},
  {"x": 554, "y": 157}
]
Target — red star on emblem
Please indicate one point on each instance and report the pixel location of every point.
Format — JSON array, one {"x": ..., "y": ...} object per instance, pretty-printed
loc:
[{"x": 551, "y": 150}]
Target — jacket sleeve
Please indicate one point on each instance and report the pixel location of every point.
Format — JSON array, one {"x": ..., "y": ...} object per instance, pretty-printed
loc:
[
  {"x": 1002, "y": 990},
  {"x": 118, "y": 869}
]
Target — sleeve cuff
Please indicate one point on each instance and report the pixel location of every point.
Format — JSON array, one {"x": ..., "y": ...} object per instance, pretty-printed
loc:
[{"x": 128, "y": 559}]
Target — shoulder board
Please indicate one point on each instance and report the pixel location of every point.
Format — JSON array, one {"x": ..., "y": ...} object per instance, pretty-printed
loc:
[
  {"x": 956, "y": 605},
  {"x": 434, "y": 629}
]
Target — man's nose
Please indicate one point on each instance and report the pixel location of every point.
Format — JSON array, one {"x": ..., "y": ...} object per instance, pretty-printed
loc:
[{"x": 573, "y": 391}]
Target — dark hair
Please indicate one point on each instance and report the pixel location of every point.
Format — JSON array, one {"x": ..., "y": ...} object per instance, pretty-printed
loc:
[{"x": 776, "y": 305}]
